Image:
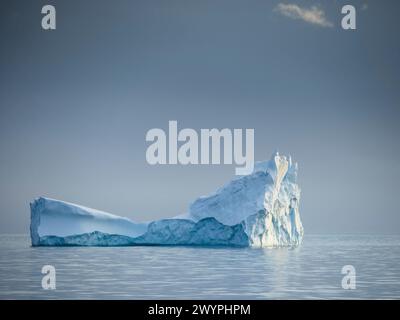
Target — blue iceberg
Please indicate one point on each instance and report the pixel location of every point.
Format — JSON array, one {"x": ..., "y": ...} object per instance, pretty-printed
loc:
[{"x": 257, "y": 210}]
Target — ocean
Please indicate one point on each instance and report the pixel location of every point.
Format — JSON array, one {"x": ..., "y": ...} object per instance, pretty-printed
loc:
[{"x": 311, "y": 271}]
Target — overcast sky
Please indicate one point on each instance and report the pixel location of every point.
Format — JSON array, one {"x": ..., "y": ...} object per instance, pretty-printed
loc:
[{"x": 76, "y": 103}]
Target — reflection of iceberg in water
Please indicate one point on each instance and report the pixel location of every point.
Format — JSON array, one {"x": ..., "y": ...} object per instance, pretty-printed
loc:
[
  {"x": 258, "y": 210},
  {"x": 277, "y": 277}
]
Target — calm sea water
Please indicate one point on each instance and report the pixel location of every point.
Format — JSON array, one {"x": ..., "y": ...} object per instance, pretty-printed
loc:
[{"x": 311, "y": 271}]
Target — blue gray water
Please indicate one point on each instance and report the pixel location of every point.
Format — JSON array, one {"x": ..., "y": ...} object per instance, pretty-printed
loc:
[{"x": 311, "y": 271}]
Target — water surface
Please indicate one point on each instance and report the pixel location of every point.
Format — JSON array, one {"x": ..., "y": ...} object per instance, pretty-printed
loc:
[{"x": 311, "y": 271}]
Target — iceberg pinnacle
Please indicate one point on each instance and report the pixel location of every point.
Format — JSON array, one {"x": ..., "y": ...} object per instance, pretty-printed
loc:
[{"x": 258, "y": 210}]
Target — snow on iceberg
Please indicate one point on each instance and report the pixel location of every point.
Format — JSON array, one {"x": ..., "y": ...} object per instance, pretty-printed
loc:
[
  {"x": 257, "y": 210},
  {"x": 51, "y": 217}
]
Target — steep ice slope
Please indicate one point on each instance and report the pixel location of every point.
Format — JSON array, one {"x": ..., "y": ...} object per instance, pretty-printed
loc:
[
  {"x": 259, "y": 210},
  {"x": 265, "y": 202}
]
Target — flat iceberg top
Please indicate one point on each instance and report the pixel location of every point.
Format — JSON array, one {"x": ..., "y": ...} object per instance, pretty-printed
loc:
[
  {"x": 77, "y": 209},
  {"x": 260, "y": 209},
  {"x": 55, "y": 217}
]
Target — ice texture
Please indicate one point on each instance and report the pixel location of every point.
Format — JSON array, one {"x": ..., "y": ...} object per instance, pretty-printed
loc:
[{"x": 257, "y": 210}]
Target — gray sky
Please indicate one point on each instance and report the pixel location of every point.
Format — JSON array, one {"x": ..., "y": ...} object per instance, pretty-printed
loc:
[{"x": 76, "y": 103}]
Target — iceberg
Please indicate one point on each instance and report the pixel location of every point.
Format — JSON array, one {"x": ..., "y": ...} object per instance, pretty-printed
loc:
[{"x": 257, "y": 210}]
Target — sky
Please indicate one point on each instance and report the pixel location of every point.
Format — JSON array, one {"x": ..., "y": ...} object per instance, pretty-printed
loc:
[{"x": 76, "y": 103}]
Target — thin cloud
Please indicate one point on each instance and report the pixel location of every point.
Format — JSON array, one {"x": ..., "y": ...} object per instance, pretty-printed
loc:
[{"x": 313, "y": 15}]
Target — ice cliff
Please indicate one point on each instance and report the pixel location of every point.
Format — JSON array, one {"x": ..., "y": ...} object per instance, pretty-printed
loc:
[{"x": 257, "y": 210}]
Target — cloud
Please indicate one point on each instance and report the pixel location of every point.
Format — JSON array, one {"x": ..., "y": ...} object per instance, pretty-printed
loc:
[{"x": 313, "y": 15}]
